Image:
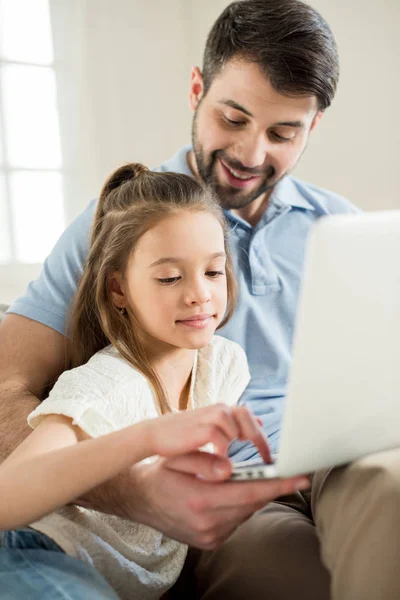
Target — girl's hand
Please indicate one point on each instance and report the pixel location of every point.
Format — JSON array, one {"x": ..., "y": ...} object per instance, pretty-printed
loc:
[{"x": 219, "y": 424}]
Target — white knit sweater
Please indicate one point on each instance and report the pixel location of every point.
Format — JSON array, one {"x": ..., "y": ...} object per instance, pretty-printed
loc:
[{"x": 108, "y": 394}]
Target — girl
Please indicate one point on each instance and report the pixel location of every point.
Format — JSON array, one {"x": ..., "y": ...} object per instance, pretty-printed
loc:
[{"x": 157, "y": 284}]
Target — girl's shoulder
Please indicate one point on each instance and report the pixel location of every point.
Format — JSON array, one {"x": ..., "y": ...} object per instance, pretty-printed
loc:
[
  {"x": 106, "y": 370},
  {"x": 101, "y": 396},
  {"x": 110, "y": 362}
]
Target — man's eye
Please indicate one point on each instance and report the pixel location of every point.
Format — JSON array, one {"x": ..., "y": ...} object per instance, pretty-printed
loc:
[
  {"x": 233, "y": 123},
  {"x": 168, "y": 280},
  {"x": 214, "y": 274},
  {"x": 280, "y": 138}
]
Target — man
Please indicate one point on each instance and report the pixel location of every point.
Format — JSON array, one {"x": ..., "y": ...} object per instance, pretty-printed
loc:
[{"x": 270, "y": 70}]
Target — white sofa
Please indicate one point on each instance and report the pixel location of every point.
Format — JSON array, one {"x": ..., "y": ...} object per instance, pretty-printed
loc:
[{"x": 3, "y": 308}]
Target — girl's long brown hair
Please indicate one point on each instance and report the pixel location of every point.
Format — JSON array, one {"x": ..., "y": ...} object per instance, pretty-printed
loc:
[{"x": 132, "y": 201}]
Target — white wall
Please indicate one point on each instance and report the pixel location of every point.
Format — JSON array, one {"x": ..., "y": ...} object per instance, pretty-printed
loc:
[
  {"x": 129, "y": 77},
  {"x": 356, "y": 150}
]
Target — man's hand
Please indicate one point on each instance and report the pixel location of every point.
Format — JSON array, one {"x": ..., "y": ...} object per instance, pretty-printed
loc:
[
  {"x": 188, "y": 499},
  {"x": 185, "y": 494}
]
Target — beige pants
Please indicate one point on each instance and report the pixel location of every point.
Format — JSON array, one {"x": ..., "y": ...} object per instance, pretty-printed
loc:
[{"x": 342, "y": 543}]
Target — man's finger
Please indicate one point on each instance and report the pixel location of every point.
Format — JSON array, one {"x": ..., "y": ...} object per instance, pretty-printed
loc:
[
  {"x": 247, "y": 494},
  {"x": 207, "y": 466}
]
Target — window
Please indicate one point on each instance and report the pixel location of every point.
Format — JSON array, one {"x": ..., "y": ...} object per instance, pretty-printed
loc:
[{"x": 31, "y": 166}]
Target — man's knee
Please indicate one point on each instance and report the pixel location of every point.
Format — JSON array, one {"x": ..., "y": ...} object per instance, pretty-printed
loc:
[
  {"x": 378, "y": 476},
  {"x": 357, "y": 513},
  {"x": 378, "y": 473},
  {"x": 359, "y": 490}
]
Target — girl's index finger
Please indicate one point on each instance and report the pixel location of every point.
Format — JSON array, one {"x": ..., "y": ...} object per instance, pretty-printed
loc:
[
  {"x": 263, "y": 447},
  {"x": 251, "y": 430}
]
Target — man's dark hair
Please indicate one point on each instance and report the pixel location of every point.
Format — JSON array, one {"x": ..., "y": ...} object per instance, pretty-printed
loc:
[{"x": 289, "y": 40}]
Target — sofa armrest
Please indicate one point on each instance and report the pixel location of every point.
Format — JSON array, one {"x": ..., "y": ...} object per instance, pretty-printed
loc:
[{"x": 3, "y": 308}]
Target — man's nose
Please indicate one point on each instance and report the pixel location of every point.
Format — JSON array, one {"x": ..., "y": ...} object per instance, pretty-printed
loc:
[{"x": 252, "y": 151}]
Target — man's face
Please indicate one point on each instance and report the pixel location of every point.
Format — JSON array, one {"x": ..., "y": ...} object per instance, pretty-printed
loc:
[{"x": 247, "y": 136}]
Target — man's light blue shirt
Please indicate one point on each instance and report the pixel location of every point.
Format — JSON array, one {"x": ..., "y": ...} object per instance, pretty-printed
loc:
[{"x": 268, "y": 260}]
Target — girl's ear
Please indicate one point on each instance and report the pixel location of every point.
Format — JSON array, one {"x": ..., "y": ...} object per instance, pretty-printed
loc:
[{"x": 115, "y": 285}]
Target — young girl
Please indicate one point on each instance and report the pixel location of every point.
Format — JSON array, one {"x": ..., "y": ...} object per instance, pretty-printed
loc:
[{"x": 157, "y": 284}]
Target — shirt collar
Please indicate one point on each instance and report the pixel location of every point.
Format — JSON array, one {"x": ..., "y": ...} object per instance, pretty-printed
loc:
[
  {"x": 287, "y": 193},
  {"x": 178, "y": 163}
]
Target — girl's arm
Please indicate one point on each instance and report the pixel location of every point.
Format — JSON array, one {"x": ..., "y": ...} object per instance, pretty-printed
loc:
[
  {"x": 50, "y": 468},
  {"x": 57, "y": 462}
]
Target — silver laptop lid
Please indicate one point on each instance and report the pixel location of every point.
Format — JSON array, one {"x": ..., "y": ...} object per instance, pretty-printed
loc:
[{"x": 344, "y": 390}]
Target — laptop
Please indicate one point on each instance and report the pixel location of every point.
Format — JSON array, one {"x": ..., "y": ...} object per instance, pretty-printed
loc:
[{"x": 343, "y": 397}]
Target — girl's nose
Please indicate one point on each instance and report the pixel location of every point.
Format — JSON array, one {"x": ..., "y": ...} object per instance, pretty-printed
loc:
[{"x": 198, "y": 294}]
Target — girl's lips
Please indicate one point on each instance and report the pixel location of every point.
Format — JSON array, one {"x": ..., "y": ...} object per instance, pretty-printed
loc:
[
  {"x": 196, "y": 322},
  {"x": 235, "y": 181}
]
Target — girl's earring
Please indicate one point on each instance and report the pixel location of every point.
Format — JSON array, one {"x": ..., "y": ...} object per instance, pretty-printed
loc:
[{"x": 121, "y": 310}]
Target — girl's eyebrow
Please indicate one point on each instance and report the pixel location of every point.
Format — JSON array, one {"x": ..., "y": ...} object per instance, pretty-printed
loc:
[{"x": 172, "y": 259}]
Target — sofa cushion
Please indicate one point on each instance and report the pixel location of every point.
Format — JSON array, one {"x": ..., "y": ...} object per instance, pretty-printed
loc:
[{"x": 3, "y": 308}]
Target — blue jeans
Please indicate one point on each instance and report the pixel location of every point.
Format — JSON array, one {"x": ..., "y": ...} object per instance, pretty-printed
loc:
[{"x": 33, "y": 567}]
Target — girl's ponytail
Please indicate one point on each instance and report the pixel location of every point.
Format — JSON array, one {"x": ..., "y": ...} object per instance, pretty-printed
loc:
[{"x": 109, "y": 195}]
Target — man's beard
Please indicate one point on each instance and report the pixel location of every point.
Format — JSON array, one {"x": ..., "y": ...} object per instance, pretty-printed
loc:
[{"x": 229, "y": 196}]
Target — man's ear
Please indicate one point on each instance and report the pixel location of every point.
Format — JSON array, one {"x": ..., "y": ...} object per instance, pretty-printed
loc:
[
  {"x": 316, "y": 119},
  {"x": 115, "y": 285},
  {"x": 196, "y": 87}
]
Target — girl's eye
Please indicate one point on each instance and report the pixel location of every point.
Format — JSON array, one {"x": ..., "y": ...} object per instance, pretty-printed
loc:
[
  {"x": 214, "y": 274},
  {"x": 168, "y": 280}
]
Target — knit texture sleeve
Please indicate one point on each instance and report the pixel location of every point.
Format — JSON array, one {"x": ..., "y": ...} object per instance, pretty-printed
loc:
[{"x": 100, "y": 397}]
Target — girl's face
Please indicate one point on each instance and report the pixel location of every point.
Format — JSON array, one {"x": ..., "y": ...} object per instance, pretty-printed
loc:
[{"x": 175, "y": 280}]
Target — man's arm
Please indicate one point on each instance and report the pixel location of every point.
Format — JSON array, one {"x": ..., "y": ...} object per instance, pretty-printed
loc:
[{"x": 31, "y": 357}]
